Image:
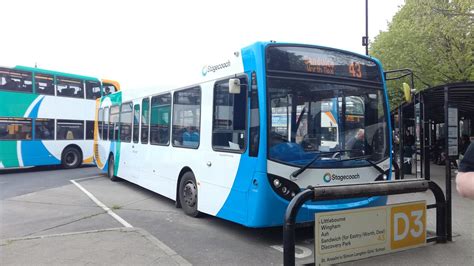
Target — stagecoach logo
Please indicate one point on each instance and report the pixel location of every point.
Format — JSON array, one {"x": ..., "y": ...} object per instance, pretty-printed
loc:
[
  {"x": 328, "y": 177},
  {"x": 214, "y": 68}
]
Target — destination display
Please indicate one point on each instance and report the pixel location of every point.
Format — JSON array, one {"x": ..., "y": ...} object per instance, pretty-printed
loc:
[
  {"x": 321, "y": 61},
  {"x": 349, "y": 235}
]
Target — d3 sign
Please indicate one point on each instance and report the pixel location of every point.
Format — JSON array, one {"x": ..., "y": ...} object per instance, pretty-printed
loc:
[{"x": 408, "y": 225}]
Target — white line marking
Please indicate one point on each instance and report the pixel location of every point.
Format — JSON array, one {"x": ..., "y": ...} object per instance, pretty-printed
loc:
[
  {"x": 88, "y": 177},
  {"x": 102, "y": 205}
]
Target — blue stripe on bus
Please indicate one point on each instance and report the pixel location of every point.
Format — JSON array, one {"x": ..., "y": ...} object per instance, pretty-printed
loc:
[
  {"x": 235, "y": 206},
  {"x": 34, "y": 111},
  {"x": 34, "y": 152}
]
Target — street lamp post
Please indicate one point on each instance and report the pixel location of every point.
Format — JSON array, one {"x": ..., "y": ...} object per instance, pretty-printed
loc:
[{"x": 365, "y": 39}]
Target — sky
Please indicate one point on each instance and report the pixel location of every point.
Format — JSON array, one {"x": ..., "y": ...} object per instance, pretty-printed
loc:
[{"x": 143, "y": 44}]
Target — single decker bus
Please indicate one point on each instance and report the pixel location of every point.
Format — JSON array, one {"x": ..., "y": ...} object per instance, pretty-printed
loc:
[
  {"x": 47, "y": 117},
  {"x": 255, "y": 129}
]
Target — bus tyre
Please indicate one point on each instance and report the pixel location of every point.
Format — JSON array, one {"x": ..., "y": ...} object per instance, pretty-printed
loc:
[
  {"x": 71, "y": 158},
  {"x": 188, "y": 194},
  {"x": 111, "y": 169}
]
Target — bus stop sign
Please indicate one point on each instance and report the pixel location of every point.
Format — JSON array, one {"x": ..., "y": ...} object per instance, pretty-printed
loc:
[{"x": 348, "y": 235}]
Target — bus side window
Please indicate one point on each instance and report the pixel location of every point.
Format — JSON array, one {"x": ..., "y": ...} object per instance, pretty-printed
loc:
[
  {"x": 160, "y": 117},
  {"x": 44, "y": 84},
  {"x": 126, "y": 122},
  {"x": 145, "y": 120},
  {"x": 70, "y": 129},
  {"x": 70, "y": 87},
  {"x": 114, "y": 123},
  {"x": 136, "y": 123},
  {"x": 187, "y": 118},
  {"x": 254, "y": 118},
  {"x": 15, "y": 80},
  {"x": 100, "y": 120},
  {"x": 89, "y": 129},
  {"x": 105, "y": 135},
  {"x": 44, "y": 129},
  {"x": 108, "y": 88},
  {"x": 229, "y": 127},
  {"x": 92, "y": 90},
  {"x": 15, "y": 128}
]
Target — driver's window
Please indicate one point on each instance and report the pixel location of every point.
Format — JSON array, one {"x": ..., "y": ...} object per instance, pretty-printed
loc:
[{"x": 280, "y": 111}]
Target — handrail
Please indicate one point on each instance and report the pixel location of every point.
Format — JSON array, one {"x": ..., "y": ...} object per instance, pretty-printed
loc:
[{"x": 382, "y": 188}]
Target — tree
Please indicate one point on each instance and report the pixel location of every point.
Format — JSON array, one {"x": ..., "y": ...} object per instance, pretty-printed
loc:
[{"x": 431, "y": 37}]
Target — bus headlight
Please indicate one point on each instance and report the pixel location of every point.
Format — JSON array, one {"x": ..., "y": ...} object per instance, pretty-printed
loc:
[
  {"x": 285, "y": 188},
  {"x": 276, "y": 182},
  {"x": 382, "y": 177}
]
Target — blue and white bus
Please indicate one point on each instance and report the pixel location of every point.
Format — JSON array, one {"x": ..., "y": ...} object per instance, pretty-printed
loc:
[{"x": 256, "y": 128}]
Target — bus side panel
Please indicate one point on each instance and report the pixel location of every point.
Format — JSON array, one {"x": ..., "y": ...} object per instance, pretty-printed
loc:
[
  {"x": 8, "y": 154},
  {"x": 34, "y": 152},
  {"x": 15, "y": 104},
  {"x": 238, "y": 203}
]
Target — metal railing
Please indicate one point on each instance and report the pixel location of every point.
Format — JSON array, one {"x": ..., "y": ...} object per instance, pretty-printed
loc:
[{"x": 383, "y": 188}]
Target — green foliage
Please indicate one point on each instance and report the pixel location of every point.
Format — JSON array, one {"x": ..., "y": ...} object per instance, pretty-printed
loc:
[{"x": 431, "y": 37}]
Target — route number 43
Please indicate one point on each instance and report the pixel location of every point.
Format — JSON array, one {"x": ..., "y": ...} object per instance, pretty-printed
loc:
[{"x": 408, "y": 225}]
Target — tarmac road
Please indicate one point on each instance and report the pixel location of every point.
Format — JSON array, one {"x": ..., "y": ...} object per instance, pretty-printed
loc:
[
  {"x": 57, "y": 206},
  {"x": 18, "y": 182}
]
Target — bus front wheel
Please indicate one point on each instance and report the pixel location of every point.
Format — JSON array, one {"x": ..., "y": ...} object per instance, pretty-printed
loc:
[
  {"x": 188, "y": 194},
  {"x": 71, "y": 158},
  {"x": 111, "y": 169}
]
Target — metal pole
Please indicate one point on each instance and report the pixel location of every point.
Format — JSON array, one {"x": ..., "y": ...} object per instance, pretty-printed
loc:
[
  {"x": 447, "y": 166},
  {"x": 401, "y": 137},
  {"x": 289, "y": 227},
  {"x": 365, "y": 39},
  {"x": 367, "y": 27}
]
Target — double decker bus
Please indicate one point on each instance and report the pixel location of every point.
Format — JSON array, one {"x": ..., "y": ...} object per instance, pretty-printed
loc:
[
  {"x": 258, "y": 127},
  {"x": 47, "y": 117}
]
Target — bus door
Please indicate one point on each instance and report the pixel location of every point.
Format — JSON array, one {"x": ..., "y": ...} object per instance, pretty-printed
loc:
[
  {"x": 229, "y": 135},
  {"x": 136, "y": 149},
  {"x": 125, "y": 137}
]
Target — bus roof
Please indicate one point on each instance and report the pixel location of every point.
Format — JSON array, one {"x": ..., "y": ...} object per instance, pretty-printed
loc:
[{"x": 57, "y": 73}]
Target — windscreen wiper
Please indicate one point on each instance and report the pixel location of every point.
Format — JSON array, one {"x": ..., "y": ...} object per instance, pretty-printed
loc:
[
  {"x": 365, "y": 158},
  {"x": 316, "y": 158}
]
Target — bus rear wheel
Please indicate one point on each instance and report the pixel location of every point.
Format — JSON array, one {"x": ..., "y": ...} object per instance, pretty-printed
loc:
[
  {"x": 71, "y": 158},
  {"x": 111, "y": 169},
  {"x": 188, "y": 194}
]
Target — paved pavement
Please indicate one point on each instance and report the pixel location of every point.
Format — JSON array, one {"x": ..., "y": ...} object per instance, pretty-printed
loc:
[
  {"x": 63, "y": 225},
  {"x": 125, "y": 246}
]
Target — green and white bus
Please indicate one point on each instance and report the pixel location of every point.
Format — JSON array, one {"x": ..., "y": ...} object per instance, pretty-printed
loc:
[{"x": 47, "y": 117}]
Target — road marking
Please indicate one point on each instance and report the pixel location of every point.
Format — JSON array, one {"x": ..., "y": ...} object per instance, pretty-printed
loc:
[
  {"x": 102, "y": 205},
  {"x": 88, "y": 177},
  {"x": 300, "y": 251}
]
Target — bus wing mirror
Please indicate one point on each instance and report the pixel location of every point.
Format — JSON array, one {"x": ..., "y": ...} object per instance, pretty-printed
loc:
[{"x": 234, "y": 86}]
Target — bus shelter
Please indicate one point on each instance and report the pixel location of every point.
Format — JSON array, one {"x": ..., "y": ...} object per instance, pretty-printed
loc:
[{"x": 434, "y": 126}]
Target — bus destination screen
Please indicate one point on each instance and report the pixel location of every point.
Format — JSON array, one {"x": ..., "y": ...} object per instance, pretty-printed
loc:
[{"x": 321, "y": 61}]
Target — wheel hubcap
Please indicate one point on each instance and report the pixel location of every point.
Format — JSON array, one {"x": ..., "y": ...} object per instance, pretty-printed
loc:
[
  {"x": 71, "y": 158},
  {"x": 189, "y": 194}
]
